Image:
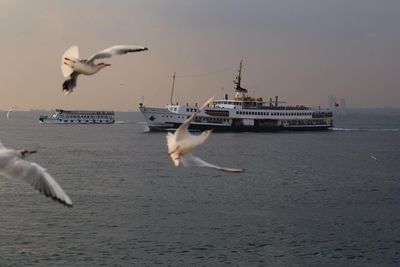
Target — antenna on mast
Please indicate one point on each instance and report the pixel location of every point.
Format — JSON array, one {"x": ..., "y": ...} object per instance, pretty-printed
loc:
[
  {"x": 142, "y": 103},
  {"x": 173, "y": 85},
  {"x": 238, "y": 80}
]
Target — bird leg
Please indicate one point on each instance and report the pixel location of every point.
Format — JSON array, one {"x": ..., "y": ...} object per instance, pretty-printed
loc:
[
  {"x": 25, "y": 153},
  {"x": 173, "y": 151},
  {"x": 69, "y": 61}
]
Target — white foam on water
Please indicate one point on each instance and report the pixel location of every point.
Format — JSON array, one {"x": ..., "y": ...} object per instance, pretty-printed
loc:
[{"x": 365, "y": 130}]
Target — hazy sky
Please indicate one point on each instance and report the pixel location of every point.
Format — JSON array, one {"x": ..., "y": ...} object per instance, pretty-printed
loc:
[{"x": 301, "y": 50}]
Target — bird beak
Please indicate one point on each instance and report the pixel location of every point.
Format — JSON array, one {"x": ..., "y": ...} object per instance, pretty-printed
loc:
[
  {"x": 107, "y": 65},
  {"x": 145, "y": 49},
  {"x": 32, "y": 152}
]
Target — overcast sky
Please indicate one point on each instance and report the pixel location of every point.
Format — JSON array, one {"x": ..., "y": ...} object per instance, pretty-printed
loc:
[{"x": 301, "y": 50}]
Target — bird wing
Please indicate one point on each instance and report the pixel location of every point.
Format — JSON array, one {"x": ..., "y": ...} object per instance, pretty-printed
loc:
[
  {"x": 8, "y": 113},
  {"x": 71, "y": 53},
  {"x": 116, "y": 50},
  {"x": 37, "y": 177},
  {"x": 171, "y": 143},
  {"x": 184, "y": 138},
  {"x": 173, "y": 149},
  {"x": 190, "y": 160},
  {"x": 178, "y": 148},
  {"x": 205, "y": 104},
  {"x": 183, "y": 130}
]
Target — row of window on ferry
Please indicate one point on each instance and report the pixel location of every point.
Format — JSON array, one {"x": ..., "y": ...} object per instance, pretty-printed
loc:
[
  {"x": 85, "y": 116},
  {"x": 228, "y": 103},
  {"x": 273, "y": 113},
  {"x": 187, "y": 109}
]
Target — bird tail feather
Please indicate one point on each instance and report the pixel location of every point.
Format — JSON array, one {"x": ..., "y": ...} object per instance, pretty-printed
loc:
[{"x": 71, "y": 53}]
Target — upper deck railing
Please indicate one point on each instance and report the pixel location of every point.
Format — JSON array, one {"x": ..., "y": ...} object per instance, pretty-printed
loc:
[{"x": 86, "y": 112}]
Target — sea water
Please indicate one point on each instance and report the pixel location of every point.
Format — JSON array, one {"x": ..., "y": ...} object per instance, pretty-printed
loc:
[{"x": 305, "y": 198}]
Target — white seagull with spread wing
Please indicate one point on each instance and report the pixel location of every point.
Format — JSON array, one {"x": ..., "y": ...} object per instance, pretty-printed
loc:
[
  {"x": 182, "y": 143},
  {"x": 72, "y": 65},
  {"x": 14, "y": 165}
]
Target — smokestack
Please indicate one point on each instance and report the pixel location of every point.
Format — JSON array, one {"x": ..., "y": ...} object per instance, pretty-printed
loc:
[
  {"x": 270, "y": 101},
  {"x": 276, "y": 101},
  {"x": 226, "y": 96}
]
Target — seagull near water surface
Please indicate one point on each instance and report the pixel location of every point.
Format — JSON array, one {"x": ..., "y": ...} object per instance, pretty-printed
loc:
[
  {"x": 72, "y": 66},
  {"x": 14, "y": 165},
  {"x": 182, "y": 143}
]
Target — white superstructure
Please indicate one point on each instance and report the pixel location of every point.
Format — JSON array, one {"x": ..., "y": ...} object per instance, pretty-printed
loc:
[{"x": 61, "y": 116}]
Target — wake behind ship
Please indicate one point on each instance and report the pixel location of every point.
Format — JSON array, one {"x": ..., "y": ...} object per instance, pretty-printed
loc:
[{"x": 240, "y": 114}]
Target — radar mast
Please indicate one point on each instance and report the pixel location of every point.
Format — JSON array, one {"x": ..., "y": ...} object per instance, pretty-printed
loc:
[{"x": 238, "y": 80}]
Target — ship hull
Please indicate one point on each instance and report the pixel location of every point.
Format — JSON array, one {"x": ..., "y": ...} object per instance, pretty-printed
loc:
[
  {"x": 73, "y": 122},
  {"x": 218, "y": 128}
]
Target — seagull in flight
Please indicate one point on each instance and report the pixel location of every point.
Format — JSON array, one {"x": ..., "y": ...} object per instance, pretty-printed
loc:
[
  {"x": 9, "y": 111},
  {"x": 13, "y": 164},
  {"x": 181, "y": 144},
  {"x": 72, "y": 65}
]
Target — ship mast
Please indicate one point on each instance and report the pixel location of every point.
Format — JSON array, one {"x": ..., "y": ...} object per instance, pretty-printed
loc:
[
  {"x": 238, "y": 80},
  {"x": 173, "y": 85}
]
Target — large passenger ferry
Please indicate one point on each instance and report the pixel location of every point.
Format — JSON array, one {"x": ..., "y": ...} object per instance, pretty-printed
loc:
[
  {"x": 242, "y": 113},
  {"x": 61, "y": 116}
]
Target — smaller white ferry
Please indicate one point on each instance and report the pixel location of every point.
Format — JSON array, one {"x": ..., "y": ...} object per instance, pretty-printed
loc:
[
  {"x": 61, "y": 116},
  {"x": 240, "y": 114}
]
